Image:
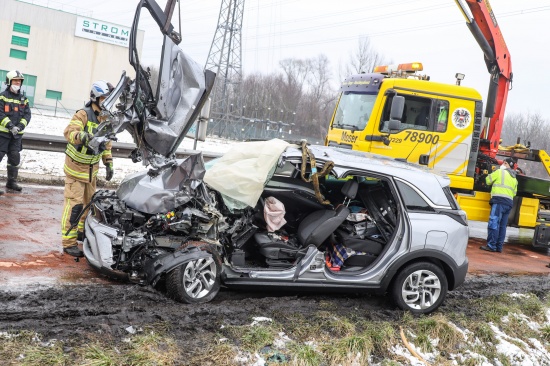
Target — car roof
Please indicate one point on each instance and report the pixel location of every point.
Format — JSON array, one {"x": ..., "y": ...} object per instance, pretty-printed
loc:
[{"x": 345, "y": 160}]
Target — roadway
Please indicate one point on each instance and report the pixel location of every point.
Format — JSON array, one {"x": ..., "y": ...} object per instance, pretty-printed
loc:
[{"x": 30, "y": 245}]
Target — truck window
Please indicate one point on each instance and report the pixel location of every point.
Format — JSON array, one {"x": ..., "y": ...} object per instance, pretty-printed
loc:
[
  {"x": 354, "y": 110},
  {"x": 442, "y": 115},
  {"x": 416, "y": 114}
]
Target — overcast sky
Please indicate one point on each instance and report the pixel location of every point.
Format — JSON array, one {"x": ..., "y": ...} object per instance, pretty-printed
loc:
[{"x": 430, "y": 31}]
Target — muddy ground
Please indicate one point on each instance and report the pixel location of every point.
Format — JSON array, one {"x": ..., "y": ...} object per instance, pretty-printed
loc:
[
  {"x": 47, "y": 292},
  {"x": 69, "y": 312}
]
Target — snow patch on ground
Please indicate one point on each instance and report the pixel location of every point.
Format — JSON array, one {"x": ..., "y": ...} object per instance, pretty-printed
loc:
[{"x": 51, "y": 163}]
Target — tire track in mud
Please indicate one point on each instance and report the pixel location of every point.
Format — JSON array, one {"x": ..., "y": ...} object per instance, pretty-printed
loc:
[{"x": 70, "y": 311}]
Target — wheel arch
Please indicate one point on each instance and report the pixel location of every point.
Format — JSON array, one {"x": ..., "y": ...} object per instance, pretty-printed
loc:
[
  {"x": 155, "y": 268},
  {"x": 438, "y": 258}
]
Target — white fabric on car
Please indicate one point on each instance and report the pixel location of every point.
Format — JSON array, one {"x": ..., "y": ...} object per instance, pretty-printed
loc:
[
  {"x": 242, "y": 172},
  {"x": 274, "y": 214}
]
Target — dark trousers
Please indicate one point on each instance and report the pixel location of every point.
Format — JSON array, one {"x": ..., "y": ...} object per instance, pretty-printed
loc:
[
  {"x": 11, "y": 146},
  {"x": 496, "y": 229}
]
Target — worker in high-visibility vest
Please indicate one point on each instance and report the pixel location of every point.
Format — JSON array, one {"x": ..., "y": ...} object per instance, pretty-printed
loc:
[
  {"x": 504, "y": 188},
  {"x": 82, "y": 166},
  {"x": 15, "y": 115}
]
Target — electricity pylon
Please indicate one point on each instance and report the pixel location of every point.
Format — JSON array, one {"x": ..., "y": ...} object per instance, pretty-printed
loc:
[{"x": 224, "y": 59}]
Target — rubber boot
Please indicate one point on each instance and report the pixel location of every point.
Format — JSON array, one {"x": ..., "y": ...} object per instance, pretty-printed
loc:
[
  {"x": 74, "y": 251},
  {"x": 12, "y": 179}
]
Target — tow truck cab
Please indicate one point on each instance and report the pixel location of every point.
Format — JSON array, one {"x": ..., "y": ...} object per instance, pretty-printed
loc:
[
  {"x": 437, "y": 125},
  {"x": 399, "y": 113}
]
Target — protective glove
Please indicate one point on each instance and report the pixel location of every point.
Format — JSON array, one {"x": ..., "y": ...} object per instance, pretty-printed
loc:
[
  {"x": 109, "y": 172},
  {"x": 85, "y": 137},
  {"x": 14, "y": 130}
]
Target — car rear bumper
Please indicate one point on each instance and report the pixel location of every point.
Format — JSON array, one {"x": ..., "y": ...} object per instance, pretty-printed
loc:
[{"x": 460, "y": 274}]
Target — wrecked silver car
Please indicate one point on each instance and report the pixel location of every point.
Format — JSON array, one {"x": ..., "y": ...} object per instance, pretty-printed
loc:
[
  {"x": 282, "y": 216},
  {"x": 267, "y": 214}
]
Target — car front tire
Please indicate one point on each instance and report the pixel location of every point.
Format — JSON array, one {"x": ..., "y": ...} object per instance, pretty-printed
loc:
[
  {"x": 420, "y": 288},
  {"x": 196, "y": 281}
]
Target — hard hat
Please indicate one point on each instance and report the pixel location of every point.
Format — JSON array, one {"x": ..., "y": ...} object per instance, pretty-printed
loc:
[
  {"x": 14, "y": 75},
  {"x": 100, "y": 88}
]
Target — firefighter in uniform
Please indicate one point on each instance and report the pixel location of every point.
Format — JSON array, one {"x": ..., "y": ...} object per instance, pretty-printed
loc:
[
  {"x": 504, "y": 188},
  {"x": 15, "y": 115},
  {"x": 82, "y": 166}
]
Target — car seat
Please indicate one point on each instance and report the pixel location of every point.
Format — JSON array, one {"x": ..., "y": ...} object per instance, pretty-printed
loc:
[{"x": 314, "y": 229}]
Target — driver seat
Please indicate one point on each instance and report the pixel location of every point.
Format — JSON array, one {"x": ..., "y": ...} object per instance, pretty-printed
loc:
[{"x": 314, "y": 229}]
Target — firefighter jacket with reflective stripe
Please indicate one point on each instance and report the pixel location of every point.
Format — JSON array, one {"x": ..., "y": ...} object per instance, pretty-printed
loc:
[
  {"x": 80, "y": 162},
  {"x": 14, "y": 111},
  {"x": 504, "y": 183}
]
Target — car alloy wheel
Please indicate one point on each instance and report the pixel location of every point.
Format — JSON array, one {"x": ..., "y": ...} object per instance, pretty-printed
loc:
[
  {"x": 199, "y": 277},
  {"x": 196, "y": 281},
  {"x": 420, "y": 288}
]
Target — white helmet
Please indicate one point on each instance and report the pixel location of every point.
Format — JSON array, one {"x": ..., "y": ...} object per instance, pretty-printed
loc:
[
  {"x": 99, "y": 89},
  {"x": 14, "y": 75}
]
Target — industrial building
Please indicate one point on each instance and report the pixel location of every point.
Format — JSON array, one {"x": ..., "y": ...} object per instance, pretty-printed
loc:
[{"x": 61, "y": 54}]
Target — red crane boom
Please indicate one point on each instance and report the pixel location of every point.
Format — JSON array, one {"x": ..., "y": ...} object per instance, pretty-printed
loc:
[{"x": 482, "y": 23}]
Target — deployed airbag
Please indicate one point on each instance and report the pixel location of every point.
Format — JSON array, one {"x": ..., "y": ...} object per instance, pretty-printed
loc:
[{"x": 241, "y": 173}]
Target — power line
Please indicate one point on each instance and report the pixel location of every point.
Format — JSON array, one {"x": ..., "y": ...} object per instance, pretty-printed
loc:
[{"x": 389, "y": 32}]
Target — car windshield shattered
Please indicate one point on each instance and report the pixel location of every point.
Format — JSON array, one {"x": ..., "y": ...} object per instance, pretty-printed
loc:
[{"x": 269, "y": 214}]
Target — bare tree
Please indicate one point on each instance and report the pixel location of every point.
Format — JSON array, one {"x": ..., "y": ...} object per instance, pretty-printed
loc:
[
  {"x": 531, "y": 129},
  {"x": 362, "y": 60}
]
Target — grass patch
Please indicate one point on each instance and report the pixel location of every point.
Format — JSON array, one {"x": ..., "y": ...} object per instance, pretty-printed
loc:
[
  {"x": 483, "y": 332},
  {"x": 436, "y": 327},
  {"x": 348, "y": 350},
  {"x": 545, "y": 333},
  {"x": 97, "y": 354},
  {"x": 25, "y": 348},
  {"x": 221, "y": 353},
  {"x": 305, "y": 355},
  {"x": 152, "y": 348},
  {"x": 256, "y": 337}
]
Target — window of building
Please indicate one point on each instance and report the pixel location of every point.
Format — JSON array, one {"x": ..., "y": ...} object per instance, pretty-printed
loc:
[
  {"x": 18, "y": 54},
  {"x": 20, "y": 41},
  {"x": 21, "y": 28},
  {"x": 52, "y": 94}
]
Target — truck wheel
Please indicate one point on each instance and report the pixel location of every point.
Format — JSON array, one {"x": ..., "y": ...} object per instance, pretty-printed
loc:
[
  {"x": 420, "y": 288},
  {"x": 196, "y": 281}
]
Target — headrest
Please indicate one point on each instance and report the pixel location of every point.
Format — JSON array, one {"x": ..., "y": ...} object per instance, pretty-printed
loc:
[{"x": 350, "y": 189}]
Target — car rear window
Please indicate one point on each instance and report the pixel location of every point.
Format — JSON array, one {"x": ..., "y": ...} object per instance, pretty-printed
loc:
[
  {"x": 450, "y": 197},
  {"x": 412, "y": 200}
]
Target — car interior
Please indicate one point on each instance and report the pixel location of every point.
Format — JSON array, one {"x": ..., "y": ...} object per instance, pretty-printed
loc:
[{"x": 353, "y": 230}]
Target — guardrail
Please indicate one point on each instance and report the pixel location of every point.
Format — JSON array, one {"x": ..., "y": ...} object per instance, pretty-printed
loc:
[{"x": 34, "y": 141}]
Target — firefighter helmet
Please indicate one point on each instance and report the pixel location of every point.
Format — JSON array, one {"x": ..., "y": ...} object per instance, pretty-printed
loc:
[
  {"x": 14, "y": 75},
  {"x": 100, "y": 88}
]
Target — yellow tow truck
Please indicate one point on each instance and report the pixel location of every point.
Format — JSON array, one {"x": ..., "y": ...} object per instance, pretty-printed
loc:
[{"x": 399, "y": 112}]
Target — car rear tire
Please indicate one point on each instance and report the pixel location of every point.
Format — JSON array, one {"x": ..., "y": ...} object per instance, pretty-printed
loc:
[
  {"x": 196, "y": 281},
  {"x": 420, "y": 288}
]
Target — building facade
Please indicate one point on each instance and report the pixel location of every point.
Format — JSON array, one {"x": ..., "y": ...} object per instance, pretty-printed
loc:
[{"x": 61, "y": 54}]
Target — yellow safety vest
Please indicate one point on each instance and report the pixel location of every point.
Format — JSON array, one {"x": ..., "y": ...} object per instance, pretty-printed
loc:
[
  {"x": 80, "y": 153},
  {"x": 504, "y": 184}
]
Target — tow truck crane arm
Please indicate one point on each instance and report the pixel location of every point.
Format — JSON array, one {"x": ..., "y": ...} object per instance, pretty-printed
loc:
[{"x": 482, "y": 23}]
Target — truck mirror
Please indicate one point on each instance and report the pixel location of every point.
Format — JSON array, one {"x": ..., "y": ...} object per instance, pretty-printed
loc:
[
  {"x": 397, "y": 106},
  {"x": 394, "y": 125}
]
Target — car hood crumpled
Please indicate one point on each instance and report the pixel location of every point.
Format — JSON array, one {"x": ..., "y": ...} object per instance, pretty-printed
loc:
[{"x": 166, "y": 191}]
